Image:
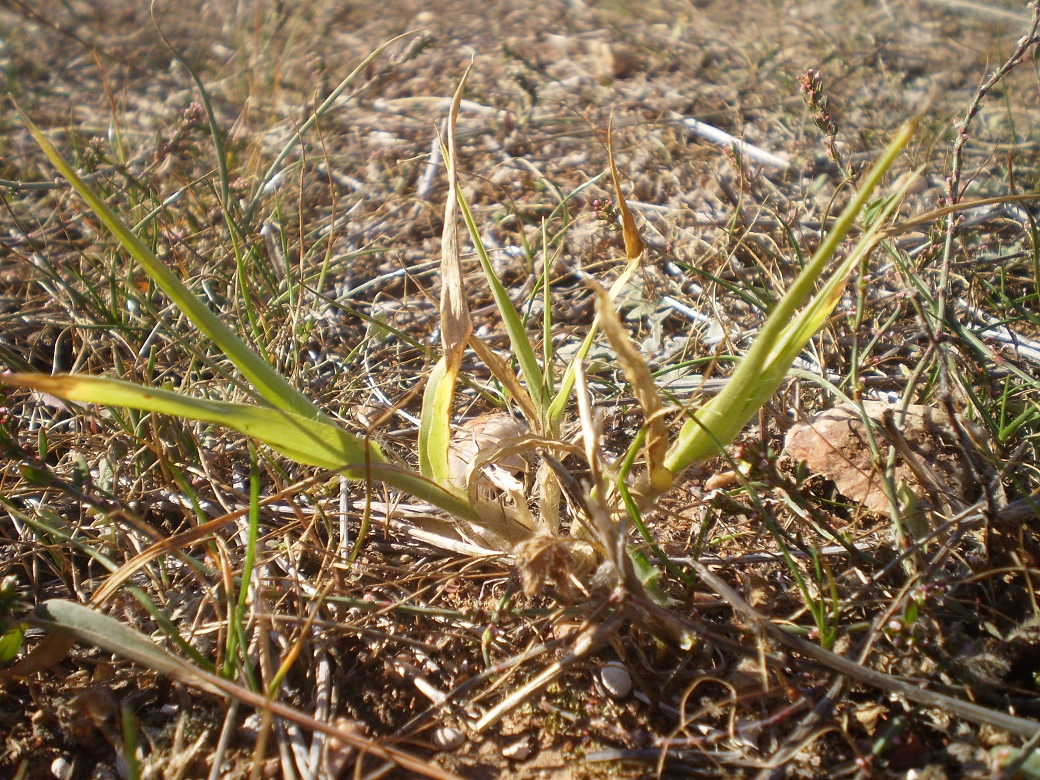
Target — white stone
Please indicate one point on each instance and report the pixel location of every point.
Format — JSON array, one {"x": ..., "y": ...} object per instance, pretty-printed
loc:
[
  {"x": 519, "y": 750},
  {"x": 448, "y": 738},
  {"x": 616, "y": 679},
  {"x": 61, "y": 768}
]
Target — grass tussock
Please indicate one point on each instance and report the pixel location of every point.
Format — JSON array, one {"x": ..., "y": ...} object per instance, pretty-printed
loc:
[{"x": 366, "y": 413}]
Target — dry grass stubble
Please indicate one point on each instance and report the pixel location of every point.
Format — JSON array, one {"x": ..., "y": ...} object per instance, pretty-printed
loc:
[{"x": 423, "y": 646}]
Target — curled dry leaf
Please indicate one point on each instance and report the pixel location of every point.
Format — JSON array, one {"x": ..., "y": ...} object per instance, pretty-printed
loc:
[
  {"x": 480, "y": 433},
  {"x": 633, "y": 242},
  {"x": 637, "y": 372},
  {"x": 835, "y": 445}
]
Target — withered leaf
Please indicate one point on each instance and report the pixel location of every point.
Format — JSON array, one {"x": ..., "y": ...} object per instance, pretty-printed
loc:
[{"x": 835, "y": 445}]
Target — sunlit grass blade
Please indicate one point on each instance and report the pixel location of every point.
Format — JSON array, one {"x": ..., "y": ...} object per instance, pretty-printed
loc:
[
  {"x": 456, "y": 326},
  {"x": 766, "y": 364},
  {"x": 519, "y": 342},
  {"x": 775, "y": 366},
  {"x": 271, "y": 385},
  {"x": 547, "y": 340},
  {"x": 237, "y": 644},
  {"x": 505, "y": 375},
  {"x": 303, "y": 439},
  {"x": 326, "y": 105},
  {"x": 559, "y": 402},
  {"x": 435, "y": 421},
  {"x": 634, "y": 253},
  {"x": 642, "y": 382},
  {"x": 441, "y": 495}
]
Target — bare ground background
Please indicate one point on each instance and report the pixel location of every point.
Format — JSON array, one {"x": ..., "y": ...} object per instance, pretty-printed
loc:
[{"x": 355, "y": 223}]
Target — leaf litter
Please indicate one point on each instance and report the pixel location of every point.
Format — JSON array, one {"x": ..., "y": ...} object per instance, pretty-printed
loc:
[{"x": 408, "y": 618}]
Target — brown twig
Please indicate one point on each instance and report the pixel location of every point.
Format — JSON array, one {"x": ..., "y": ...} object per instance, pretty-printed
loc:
[
  {"x": 862, "y": 674},
  {"x": 953, "y": 183}
]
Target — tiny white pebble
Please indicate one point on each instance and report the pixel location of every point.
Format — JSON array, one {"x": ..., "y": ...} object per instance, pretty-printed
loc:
[
  {"x": 272, "y": 186},
  {"x": 61, "y": 768},
  {"x": 519, "y": 750},
  {"x": 448, "y": 738},
  {"x": 616, "y": 679}
]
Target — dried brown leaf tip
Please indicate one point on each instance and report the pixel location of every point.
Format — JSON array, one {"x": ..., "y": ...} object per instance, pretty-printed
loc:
[
  {"x": 931, "y": 459},
  {"x": 633, "y": 242},
  {"x": 637, "y": 372},
  {"x": 456, "y": 324}
]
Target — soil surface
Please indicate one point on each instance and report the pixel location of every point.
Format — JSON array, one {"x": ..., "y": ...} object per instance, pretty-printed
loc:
[{"x": 415, "y": 645}]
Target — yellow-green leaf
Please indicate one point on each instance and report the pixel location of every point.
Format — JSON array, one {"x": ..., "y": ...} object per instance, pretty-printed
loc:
[
  {"x": 272, "y": 386},
  {"x": 642, "y": 381},
  {"x": 783, "y": 336},
  {"x": 303, "y": 439},
  {"x": 435, "y": 422}
]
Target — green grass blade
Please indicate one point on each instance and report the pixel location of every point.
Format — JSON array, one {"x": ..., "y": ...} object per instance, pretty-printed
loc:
[
  {"x": 326, "y": 105},
  {"x": 83, "y": 624},
  {"x": 521, "y": 345},
  {"x": 456, "y": 325},
  {"x": 271, "y": 385},
  {"x": 798, "y": 332},
  {"x": 305, "y": 440},
  {"x": 435, "y": 423},
  {"x": 559, "y": 402},
  {"x": 547, "y": 343},
  {"x": 766, "y": 363},
  {"x": 442, "y": 496},
  {"x": 130, "y": 741}
]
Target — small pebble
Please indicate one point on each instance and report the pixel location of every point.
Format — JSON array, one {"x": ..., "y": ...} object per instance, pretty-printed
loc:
[
  {"x": 616, "y": 679},
  {"x": 519, "y": 750},
  {"x": 249, "y": 731},
  {"x": 448, "y": 738},
  {"x": 61, "y": 768}
]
